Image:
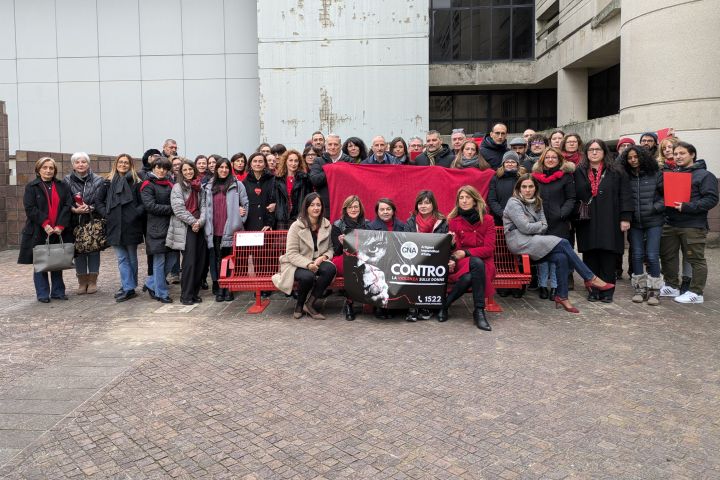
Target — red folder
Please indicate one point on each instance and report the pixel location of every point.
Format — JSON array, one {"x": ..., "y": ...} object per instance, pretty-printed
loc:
[
  {"x": 677, "y": 187},
  {"x": 663, "y": 134}
]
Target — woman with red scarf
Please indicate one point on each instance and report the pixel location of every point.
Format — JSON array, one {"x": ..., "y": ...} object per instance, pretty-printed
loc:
[
  {"x": 186, "y": 231},
  {"x": 239, "y": 166},
  {"x": 47, "y": 203},
  {"x": 572, "y": 148},
  {"x": 603, "y": 187},
  {"x": 557, "y": 189}
]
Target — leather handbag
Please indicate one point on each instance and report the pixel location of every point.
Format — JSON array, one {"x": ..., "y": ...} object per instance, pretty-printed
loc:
[
  {"x": 51, "y": 257},
  {"x": 584, "y": 210},
  {"x": 90, "y": 236}
]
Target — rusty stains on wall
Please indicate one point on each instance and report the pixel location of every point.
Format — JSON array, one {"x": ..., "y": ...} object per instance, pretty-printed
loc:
[{"x": 329, "y": 119}]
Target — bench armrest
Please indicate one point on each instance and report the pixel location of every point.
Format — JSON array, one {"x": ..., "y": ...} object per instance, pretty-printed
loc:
[{"x": 227, "y": 265}]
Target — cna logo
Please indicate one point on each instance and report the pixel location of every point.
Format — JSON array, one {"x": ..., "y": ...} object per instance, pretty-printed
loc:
[{"x": 409, "y": 250}]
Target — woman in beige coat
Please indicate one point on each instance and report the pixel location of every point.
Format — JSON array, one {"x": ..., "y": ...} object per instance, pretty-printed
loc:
[{"x": 307, "y": 258}]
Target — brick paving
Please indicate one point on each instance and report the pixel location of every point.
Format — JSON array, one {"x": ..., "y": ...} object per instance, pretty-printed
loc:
[{"x": 90, "y": 388}]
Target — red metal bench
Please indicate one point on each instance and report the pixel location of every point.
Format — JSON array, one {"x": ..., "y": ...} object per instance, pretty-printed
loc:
[{"x": 250, "y": 268}]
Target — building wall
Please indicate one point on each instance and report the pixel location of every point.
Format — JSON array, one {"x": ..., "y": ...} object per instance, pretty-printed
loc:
[
  {"x": 353, "y": 68},
  {"x": 108, "y": 76}
]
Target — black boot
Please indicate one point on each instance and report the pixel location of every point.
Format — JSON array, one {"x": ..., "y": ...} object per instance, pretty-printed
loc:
[
  {"x": 412, "y": 315},
  {"x": 229, "y": 295},
  {"x": 480, "y": 320},
  {"x": 552, "y": 293},
  {"x": 215, "y": 288},
  {"x": 593, "y": 295},
  {"x": 543, "y": 293},
  {"x": 348, "y": 311},
  {"x": 443, "y": 314},
  {"x": 220, "y": 295}
]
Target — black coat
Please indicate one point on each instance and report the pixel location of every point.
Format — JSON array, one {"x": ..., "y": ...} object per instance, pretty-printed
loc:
[
  {"x": 261, "y": 193},
  {"x": 124, "y": 221},
  {"x": 156, "y": 199},
  {"x": 501, "y": 189},
  {"x": 493, "y": 152},
  {"x": 558, "y": 200},
  {"x": 703, "y": 197},
  {"x": 35, "y": 201},
  {"x": 378, "y": 224},
  {"x": 88, "y": 188},
  {"x": 284, "y": 215},
  {"x": 443, "y": 159},
  {"x": 319, "y": 181},
  {"x": 612, "y": 204},
  {"x": 411, "y": 225},
  {"x": 341, "y": 227},
  {"x": 647, "y": 198}
]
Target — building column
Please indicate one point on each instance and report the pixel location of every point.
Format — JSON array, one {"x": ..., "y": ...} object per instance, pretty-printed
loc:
[{"x": 572, "y": 96}]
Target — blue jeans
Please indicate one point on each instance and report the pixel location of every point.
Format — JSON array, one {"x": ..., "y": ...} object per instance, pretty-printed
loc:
[
  {"x": 87, "y": 263},
  {"x": 566, "y": 260},
  {"x": 162, "y": 265},
  {"x": 546, "y": 274},
  {"x": 42, "y": 284},
  {"x": 645, "y": 244},
  {"x": 128, "y": 266}
]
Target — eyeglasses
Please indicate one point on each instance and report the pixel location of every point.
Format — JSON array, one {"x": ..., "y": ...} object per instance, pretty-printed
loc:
[
  {"x": 595, "y": 150},
  {"x": 538, "y": 143}
]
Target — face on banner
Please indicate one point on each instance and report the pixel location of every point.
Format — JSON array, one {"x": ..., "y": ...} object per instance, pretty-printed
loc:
[{"x": 396, "y": 269}]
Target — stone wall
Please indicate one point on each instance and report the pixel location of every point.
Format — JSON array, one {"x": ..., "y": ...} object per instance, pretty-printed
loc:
[{"x": 4, "y": 176}]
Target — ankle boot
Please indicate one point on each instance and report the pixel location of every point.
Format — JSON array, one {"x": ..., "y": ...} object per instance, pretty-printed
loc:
[
  {"x": 310, "y": 309},
  {"x": 348, "y": 311},
  {"x": 443, "y": 314},
  {"x": 480, "y": 320},
  {"x": 92, "y": 282},
  {"x": 215, "y": 288},
  {"x": 82, "y": 284}
]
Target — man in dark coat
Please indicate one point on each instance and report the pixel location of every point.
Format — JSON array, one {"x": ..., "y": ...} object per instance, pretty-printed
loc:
[
  {"x": 436, "y": 152},
  {"x": 317, "y": 174},
  {"x": 494, "y": 145}
]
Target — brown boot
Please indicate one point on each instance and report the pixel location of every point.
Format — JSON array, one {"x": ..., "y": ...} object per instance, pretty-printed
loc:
[
  {"x": 82, "y": 284},
  {"x": 91, "y": 282},
  {"x": 310, "y": 309}
]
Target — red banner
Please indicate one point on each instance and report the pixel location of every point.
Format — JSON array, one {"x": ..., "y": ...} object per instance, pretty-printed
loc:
[{"x": 400, "y": 183}]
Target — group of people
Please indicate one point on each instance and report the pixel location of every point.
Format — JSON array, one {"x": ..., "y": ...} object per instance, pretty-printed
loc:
[{"x": 549, "y": 193}]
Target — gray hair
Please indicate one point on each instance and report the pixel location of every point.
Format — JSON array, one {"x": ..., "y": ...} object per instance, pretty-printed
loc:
[
  {"x": 333, "y": 135},
  {"x": 415, "y": 138},
  {"x": 78, "y": 155}
]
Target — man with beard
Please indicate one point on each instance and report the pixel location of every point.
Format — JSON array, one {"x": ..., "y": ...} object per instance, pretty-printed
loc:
[{"x": 436, "y": 152}]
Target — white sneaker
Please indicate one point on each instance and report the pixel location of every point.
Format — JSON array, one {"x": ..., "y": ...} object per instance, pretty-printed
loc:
[
  {"x": 668, "y": 291},
  {"x": 689, "y": 297}
]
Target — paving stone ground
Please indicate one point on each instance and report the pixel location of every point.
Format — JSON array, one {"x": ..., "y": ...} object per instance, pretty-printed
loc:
[{"x": 94, "y": 389}]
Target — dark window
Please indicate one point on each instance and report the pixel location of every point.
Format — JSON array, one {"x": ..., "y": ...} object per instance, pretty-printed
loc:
[
  {"x": 479, "y": 111},
  {"x": 604, "y": 93},
  {"x": 480, "y": 30}
]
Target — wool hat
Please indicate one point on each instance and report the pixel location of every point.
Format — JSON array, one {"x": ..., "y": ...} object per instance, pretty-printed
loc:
[
  {"x": 626, "y": 140},
  {"x": 517, "y": 141},
  {"x": 510, "y": 156}
]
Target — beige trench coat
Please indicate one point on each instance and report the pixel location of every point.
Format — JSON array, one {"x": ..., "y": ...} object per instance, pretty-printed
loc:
[{"x": 299, "y": 252}]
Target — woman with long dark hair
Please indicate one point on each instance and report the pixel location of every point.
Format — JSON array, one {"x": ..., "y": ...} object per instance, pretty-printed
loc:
[
  {"x": 226, "y": 205},
  {"x": 260, "y": 187},
  {"x": 602, "y": 190},
  {"x": 355, "y": 148},
  {"x": 307, "y": 258},
  {"x": 120, "y": 203}
]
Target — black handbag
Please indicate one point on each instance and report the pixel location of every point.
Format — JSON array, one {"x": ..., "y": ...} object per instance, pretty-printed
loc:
[{"x": 584, "y": 210}]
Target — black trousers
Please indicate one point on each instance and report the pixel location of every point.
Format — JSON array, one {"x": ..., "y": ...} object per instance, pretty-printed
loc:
[
  {"x": 603, "y": 264},
  {"x": 192, "y": 264},
  {"x": 219, "y": 252},
  {"x": 317, "y": 282},
  {"x": 475, "y": 280}
]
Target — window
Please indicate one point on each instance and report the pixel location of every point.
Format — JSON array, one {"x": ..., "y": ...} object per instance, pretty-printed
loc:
[
  {"x": 479, "y": 111},
  {"x": 481, "y": 30},
  {"x": 604, "y": 93}
]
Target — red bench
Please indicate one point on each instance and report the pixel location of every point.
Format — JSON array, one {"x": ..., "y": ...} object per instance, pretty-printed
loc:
[{"x": 250, "y": 268}]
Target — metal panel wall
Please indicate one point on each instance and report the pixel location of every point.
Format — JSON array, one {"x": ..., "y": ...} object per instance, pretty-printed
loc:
[{"x": 350, "y": 67}]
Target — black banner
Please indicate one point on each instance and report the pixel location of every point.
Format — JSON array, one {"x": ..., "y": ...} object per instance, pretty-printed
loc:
[{"x": 396, "y": 269}]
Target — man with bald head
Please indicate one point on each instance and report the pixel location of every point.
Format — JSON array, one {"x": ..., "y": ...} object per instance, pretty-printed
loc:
[{"x": 380, "y": 155}]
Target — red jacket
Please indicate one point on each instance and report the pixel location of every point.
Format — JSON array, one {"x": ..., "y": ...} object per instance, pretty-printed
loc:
[{"x": 479, "y": 240}]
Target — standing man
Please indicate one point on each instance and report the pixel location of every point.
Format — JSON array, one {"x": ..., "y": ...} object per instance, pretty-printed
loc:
[
  {"x": 169, "y": 148},
  {"x": 649, "y": 141},
  {"x": 317, "y": 174},
  {"x": 318, "y": 140},
  {"x": 528, "y": 133},
  {"x": 380, "y": 155},
  {"x": 415, "y": 145},
  {"x": 519, "y": 146},
  {"x": 457, "y": 138},
  {"x": 436, "y": 152},
  {"x": 333, "y": 152},
  {"x": 494, "y": 146}
]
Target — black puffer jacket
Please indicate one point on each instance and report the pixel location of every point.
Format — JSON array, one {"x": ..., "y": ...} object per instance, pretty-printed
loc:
[
  {"x": 501, "y": 189},
  {"x": 123, "y": 210},
  {"x": 647, "y": 197},
  {"x": 493, "y": 152},
  {"x": 88, "y": 188},
  {"x": 444, "y": 158},
  {"x": 558, "y": 199},
  {"x": 155, "y": 194},
  {"x": 441, "y": 226},
  {"x": 703, "y": 197},
  {"x": 284, "y": 215},
  {"x": 261, "y": 193}
]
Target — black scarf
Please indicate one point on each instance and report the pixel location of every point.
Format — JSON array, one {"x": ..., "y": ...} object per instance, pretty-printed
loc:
[
  {"x": 472, "y": 216},
  {"x": 351, "y": 224},
  {"x": 120, "y": 191}
]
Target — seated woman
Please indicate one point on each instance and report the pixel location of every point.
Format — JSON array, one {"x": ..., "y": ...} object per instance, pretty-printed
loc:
[
  {"x": 385, "y": 217},
  {"x": 307, "y": 258},
  {"x": 472, "y": 263},
  {"x": 525, "y": 224},
  {"x": 353, "y": 218},
  {"x": 426, "y": 218}
]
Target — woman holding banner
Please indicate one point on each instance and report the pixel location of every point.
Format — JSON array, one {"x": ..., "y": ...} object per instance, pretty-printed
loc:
[
  {"x": 353, "y": 218},
  {"x": 472, "y": 262},
  {"x": 385, "y": 220},
  {"x": 426, "y": 218},
  {"x": 307, "y": 258}
]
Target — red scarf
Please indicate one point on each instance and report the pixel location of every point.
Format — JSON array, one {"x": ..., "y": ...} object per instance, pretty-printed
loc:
[
  {"x": 542, "y": 177},
  {"x": 192, "y": 204},
  {"x": 53, "y": 205},
  {"x": 595, "y": 180},
  {"x": 164, "y": 181},
  {"x": 425, "y": 225},
  {"x": 572, "y": 157},
  {"x": 389, "y": 224},
  {"x": 241, "y": 176},
  {"x": 670, "y": 163},
  {"x": 289, "y": 181}
]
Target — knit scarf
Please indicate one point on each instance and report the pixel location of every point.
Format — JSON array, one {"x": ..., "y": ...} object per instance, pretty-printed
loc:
[
  {"x": 670, "y": 163},
  {"x": 431, "y": 155},
  {"x": 469, "y": 162},
  {"x": 572, "y": 157},
  {"x": 120, "y": 192},
  {"x": 547, "y": 177},
  {"x": 595, "y": 179},
  {"x": 472, "y": 216},
  {"x": 425, "y": 225},
  {"x": 192, "y": 204},
  {"x": 157, "y": 181}
]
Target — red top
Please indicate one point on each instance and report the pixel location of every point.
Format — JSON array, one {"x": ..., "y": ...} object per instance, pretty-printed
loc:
[
  {"x": 53, "y": 200},
  {"x": 479, "y": 240}
]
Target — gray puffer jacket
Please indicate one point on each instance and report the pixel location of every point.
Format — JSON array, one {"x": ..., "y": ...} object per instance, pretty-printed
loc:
[
  {"x": 182, "y": 218},
  {"x": 524, "y": 228},
  {"x": 235, "y": 197}
]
